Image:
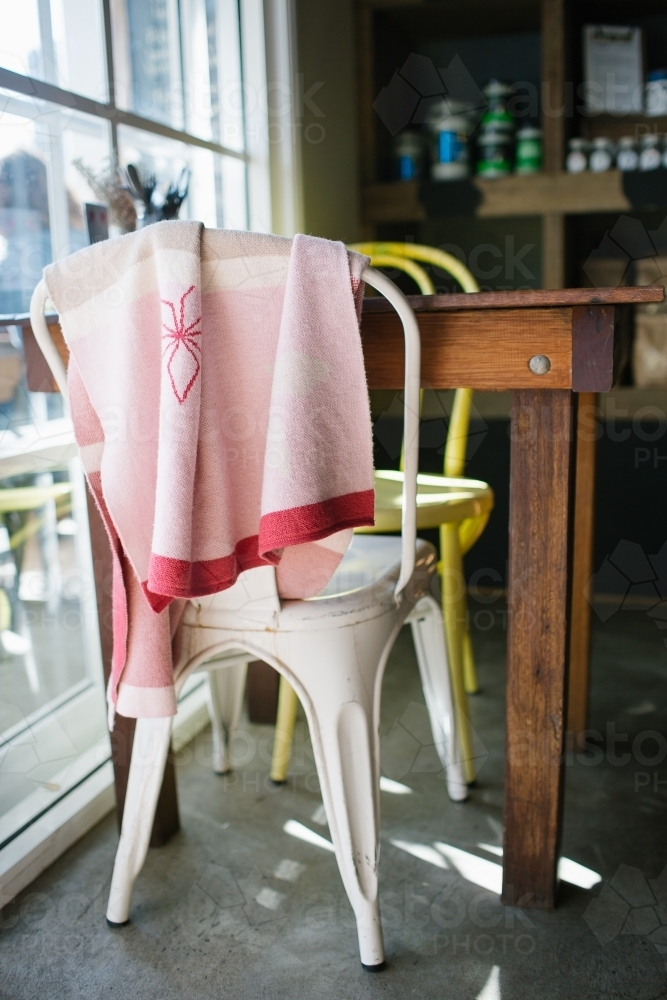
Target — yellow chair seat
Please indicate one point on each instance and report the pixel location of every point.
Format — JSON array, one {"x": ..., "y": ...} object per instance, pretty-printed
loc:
[
  {"x": 440, "y": 500},
  {"x": 31, "y": 497}
]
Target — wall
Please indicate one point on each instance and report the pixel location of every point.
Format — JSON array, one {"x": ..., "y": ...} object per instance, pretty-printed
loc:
[{"x": 326, "y": 56}]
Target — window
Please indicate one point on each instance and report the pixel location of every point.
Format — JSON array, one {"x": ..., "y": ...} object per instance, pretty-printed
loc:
[
  {"x": 42, "y": 194},
  {"x": 168, "y": 86},
  {"x": 52, "y": 716}
]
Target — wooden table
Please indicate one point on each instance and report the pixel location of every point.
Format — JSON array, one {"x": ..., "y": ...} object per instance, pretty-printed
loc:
[{"x": 486, "y": 341}]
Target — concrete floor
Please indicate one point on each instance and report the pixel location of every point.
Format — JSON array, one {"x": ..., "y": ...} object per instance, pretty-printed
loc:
[{"x": 235, "y": 907}]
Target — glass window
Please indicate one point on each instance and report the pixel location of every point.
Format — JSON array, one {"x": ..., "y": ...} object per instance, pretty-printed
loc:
[
  {"x": 52, "y": 717},
  {"x": 61, "y": 42},
  {"x": 42, "y": 194},
  {"x": 217, "y": 191},
  {"x": 147, "y": 59},
  {"x": 179, "y": 63},
  {"x": 215, "y": 92}
]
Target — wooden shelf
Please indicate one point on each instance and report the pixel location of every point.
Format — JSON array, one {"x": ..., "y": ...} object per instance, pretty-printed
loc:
[
  {"x": 535, "y": 194},
  {"x": 423, "y": 19},
  {"x": 617, "y": 126}
]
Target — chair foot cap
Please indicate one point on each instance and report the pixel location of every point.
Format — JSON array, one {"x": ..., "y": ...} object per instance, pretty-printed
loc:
[
  {"x": 278, "y": 784},
  {"x": 459, "y": 799},
  {"x": 223, "y": 774},
  {"x": 112, "y": 923},
  {"x": 374, "y": 968}
]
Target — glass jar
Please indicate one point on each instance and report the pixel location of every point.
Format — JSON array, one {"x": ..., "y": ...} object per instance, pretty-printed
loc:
[
  {"x": 577, "y": 160},
  {"x": 601, "y": 155},
  {"x": 408, "y": 155},
  {"x": 649, "y": 152},
  {"x": 496, "y": 117},
  {"x": 495, "y": 148},
  {"x": 528, "y": 155},
  {"x": 627, "y": 157},
  {"x": 449, "y": 127}
]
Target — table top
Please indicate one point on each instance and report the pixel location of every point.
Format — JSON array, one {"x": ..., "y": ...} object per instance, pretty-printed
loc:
[{"x": 533, "y": 298}]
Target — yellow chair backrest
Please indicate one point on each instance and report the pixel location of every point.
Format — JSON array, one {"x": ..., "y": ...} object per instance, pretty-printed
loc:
[{"x": 402, "y": 256}]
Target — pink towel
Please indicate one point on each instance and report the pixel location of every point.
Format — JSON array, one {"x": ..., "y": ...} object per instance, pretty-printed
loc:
[{"x": 219, "y": 402}]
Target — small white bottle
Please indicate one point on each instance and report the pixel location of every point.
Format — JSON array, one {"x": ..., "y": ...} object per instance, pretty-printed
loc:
[
  {"x": 576, "y": 161},
  {"x": 627, "y": 157},
  {"x": 601, "y": 156},
  {"x": 649, "y": 152}
]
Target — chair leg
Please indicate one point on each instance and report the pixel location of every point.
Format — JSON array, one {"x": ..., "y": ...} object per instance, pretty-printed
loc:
[
  {"x": 226, "y": 687},
  {"x": 429, "y": 640},
  {"x": 149, "y": 756},
  {"x": 453, "y": 606},
  {"x": 338, "y": 673},
  {"x": 288, "y": 703},
  {"x": 470, "y": 682},
  {"x": 469, "y": 531}
]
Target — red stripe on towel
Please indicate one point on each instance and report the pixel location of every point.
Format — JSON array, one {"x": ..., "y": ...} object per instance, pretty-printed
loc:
[
  {"x": 179, "y": 578},
  {"x": 168, "y": 578},
  {"x": 316, "y": 520}
]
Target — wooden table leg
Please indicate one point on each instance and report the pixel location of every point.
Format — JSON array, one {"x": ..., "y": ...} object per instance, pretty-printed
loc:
[
  {"x": 582, "y": 562},
  {"x": 166, "y": 816},
  {"x": 541, "y": 480}
]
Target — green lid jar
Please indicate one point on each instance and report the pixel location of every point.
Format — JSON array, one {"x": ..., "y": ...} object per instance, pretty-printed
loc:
[
  {"x": 495, "y": 147},
  {"x": 497, "y": 117},
  {"x": 528, "y": 156}
]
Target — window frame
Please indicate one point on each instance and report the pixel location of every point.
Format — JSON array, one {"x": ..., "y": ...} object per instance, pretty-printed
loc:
[{"x": 43, "y": 90}]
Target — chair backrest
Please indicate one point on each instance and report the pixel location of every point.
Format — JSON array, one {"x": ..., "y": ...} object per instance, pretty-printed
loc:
[
  {"x": 43, "y": 338},
  {"x": 387, "y": 288},
  {"x": 429, "y": 255},
  {"x": 402, "y": 256}
]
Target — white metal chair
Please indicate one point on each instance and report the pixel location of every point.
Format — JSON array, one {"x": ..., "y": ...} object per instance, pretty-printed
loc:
[
  {"x": 458, "y": 506},
  {"x": 332, "y": 649}
]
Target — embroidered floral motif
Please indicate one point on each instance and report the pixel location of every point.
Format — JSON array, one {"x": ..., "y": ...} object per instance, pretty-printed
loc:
[{"x": 183, "y": 363}]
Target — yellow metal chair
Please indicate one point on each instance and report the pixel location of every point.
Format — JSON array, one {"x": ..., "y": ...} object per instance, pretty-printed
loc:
[
  {"x": 26, "y": 499},
  {"x": 458, "y": 506}
]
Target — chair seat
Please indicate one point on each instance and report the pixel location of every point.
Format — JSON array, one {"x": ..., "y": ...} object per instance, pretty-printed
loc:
[
  {"x": 369, "y": 559},
  {"x": 440, "y": 499},
  {"x": 362, "y": 587}
]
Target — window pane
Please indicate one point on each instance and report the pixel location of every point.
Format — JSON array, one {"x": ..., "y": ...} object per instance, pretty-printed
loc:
[
  {"x": 147, "y": 59},
  {"x": 235, "y": 215},
  {"x": 41, "y": 191},
  {"x": 28, "y": 420},
  {"x": 52, "y": 713},
  {"x": 180, "y": 64},
  {"x": 217, "y": 193},
  {"x": 212, "y": 71},
  {"x": 21, "y": 48},
  {"x": 61, "y": 42}
]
